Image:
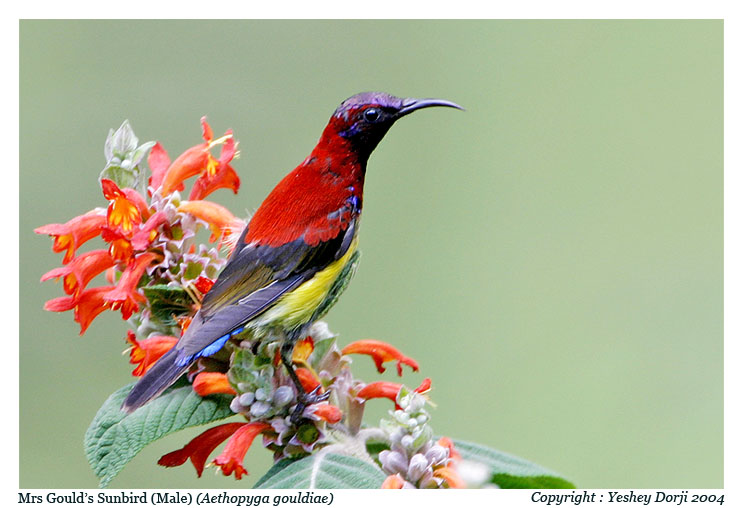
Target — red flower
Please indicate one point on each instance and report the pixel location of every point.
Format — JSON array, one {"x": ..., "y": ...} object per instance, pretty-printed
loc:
[
  {"x": 208, "y": 383},
  {"x": 200, "y": 447},
  {"x": 221, "y": 221},
  {"x": 203, "y": 285},
  {"x": 119, "y": 247},
  {"x": 125, "y": 295},
  {"x": 224, "y": 175},
  {"x": 307, "y": 378},
  {"x": 328, "y": 412},
  {"x": 72, "y": 234},
  {"x": 231, "y": 459},
  {"x": 159, "y": 162},
  {"x": 78, "y": 273},
  {"x": 389, "y": 390},
  {"x": 123, "y": 213},
  {"x": 450, "y": 476},
  {"x": 144, "y": 353},
  {"x": 148, "y": 232},
  {"x": 199, "y": 160},
  {"x": 87, "y": 305},
  {"x": 425, "y": 386},
  {"x": 380, "y": 352}
]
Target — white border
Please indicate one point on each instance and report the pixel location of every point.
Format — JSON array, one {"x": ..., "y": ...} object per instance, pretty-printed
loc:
[{"x": 139, "y": 9}]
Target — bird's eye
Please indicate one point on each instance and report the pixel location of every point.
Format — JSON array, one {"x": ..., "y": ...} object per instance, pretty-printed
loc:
[{"x": 371, "y": 115}]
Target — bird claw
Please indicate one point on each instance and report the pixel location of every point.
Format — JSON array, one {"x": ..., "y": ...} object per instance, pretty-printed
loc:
[{"x": 307, "y": 399}]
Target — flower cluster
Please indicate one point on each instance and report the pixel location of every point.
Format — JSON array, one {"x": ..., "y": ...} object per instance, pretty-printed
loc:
[
  {"x": 150, "y": 236},
  {"x": 414, "y": 460},
  {"x": 157, "y": 272}
]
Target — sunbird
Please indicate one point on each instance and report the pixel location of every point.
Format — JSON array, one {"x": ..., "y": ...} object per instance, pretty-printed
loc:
[{"x": 297, "y": 253}]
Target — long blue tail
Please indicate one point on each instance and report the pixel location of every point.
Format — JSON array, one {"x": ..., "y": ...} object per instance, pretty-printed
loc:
[{"x": 164, "y": 373}]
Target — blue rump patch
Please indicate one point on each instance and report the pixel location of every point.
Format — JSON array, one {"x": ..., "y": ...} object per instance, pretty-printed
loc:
[{"x": 211, "y": 348}]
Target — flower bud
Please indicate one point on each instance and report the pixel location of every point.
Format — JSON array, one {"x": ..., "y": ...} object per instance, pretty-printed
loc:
[
  {"x": 407, "y": 441},
  {"x": 235, "y": 405},
  {"x": 282, "y": 396},
  {"x": 437, "y": 454},
  {"x": 247, "y": 399},
  {"x": 400, "y": 417},
  {"x": 393, "y": 462},
  {"x": 418, "y": 466},
  {"x": 259, "y": 408}
]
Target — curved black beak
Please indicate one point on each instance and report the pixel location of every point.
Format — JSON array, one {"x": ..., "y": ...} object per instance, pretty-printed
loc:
[{"x": 410, "y": 105}]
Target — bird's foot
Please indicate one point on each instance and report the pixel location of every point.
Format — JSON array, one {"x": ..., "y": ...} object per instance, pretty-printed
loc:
[{"x": 305, "y": 399}]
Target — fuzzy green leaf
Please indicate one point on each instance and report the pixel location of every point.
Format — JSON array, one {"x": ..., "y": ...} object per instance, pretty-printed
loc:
[
  {"x": 509, "y": 472},
  {"x": 322, "y": 471},
  {"x": 115, "y": 437},
  {"x": 123, "y": 158}
]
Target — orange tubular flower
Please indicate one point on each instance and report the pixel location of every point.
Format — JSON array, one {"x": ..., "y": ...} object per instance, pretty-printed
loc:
[
  {"x": 393, "y": 481},
  {"x": 302, "y": 350},
  {"x": 231, "y": 459},
  {"x": 123, "y": 213},
  {"x": 137, "y": 200},
  {"x": 380, "y": 352},
  {"x": 144, "y": 353},
  {"x": 199, "y": 160},
  {"x": 220, "y": 219},
  {"x": 72, "y": 234},
  {"x": 389, "y": 390},
  {"x": 87, "y": 305},
  {"x": 380, "y": 390},
  {"x": 450, "y": 476},
  {"x": 200, "y": 447},
  {"x": 125, "y": 295},
  {"x": 119, "y": 247},
  {"x": 453, "y": 453},
  {"x": 307, "y": 378},
  {"x": 223, "y": 175},
  {"x": 208, "y": 383},
  {"x": 328, "y": 412},
  {"x": 81, "y": 270},
  {"x": 226, "y": 177}
]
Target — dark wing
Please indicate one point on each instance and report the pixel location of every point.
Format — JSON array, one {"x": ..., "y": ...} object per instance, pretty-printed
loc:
[{"x": 255, "y": 277}]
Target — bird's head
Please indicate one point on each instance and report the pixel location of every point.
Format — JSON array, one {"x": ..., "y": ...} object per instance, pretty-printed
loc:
[{"x": 363, "y": 119}]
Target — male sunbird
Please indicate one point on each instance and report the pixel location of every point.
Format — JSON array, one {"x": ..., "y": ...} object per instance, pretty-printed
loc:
[{"x": 293, "y": 258}]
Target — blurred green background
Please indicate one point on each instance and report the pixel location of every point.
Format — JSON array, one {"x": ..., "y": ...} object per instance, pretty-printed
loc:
[{"x": 552, "y": 257}]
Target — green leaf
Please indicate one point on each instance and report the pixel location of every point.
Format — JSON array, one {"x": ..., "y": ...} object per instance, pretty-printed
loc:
[
  {"x": 166, "y": 302},
  {"x": 115, "y": 437},
  {"x": 374, "y": 447},
  {"x": 509, "y": 472},
  {"x": 121, "y": 141},
  {"x": 322, "y": 471}
]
